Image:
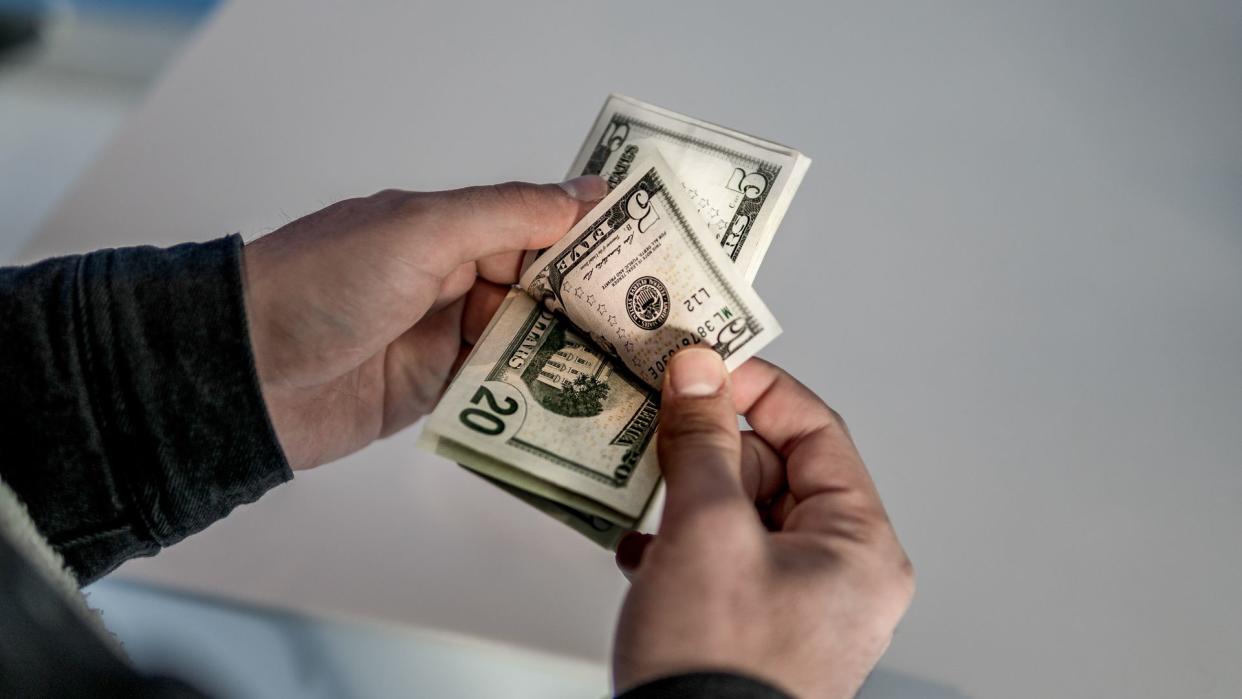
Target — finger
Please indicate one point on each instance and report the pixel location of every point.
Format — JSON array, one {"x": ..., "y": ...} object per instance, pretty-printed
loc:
[
  {"x": 506, "y": 267},
  {"x": 454, "y": 286},
  {"x": 630, "y": 552},
  {"x": 502, "y": 268},
  {"x": 786, "y": 415},
  {"x": 699, "y": 444},
  {"x": 413, "y": 363},
  {"x": 481, "y": 303},
  {"x": 763, "y": 470},
  {"x": 415, "y": 372},
  {"x": 826, "y": 475},
  {"x": 481, "y": 222}
]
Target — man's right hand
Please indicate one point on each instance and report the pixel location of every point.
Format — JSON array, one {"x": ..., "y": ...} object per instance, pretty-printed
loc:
[{"x": 775, "y": 558}]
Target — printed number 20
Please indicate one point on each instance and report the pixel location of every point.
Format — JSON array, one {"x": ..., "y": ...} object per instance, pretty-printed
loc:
[{"x": 483, "y": 421}]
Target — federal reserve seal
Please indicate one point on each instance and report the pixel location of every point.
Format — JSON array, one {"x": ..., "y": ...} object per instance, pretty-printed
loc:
[{"x": 647, "y": 303}]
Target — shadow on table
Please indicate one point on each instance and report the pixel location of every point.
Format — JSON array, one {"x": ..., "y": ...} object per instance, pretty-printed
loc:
[{"x": 886, "y": 684}]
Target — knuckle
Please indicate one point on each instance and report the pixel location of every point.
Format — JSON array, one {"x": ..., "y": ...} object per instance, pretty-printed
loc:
[
  {"x": 387, "y": 194},
  {"x": 836, "y": 420},
  {"x": 348, "y": 206},
  {"x": 409, "y": 204},
  {"x": 384, "y": 203},
  {"x": 892, "y": 576},
  {"x": 906, "y": 576}
]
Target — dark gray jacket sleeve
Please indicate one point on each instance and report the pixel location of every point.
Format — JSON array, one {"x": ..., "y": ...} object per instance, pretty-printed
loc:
[{"x": 130, "y": 410}]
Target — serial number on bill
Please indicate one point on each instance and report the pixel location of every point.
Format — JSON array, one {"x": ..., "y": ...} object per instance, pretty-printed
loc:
[{"x": 718, "y": 320}]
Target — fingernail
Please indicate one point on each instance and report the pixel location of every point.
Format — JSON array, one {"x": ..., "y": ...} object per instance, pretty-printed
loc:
[
  {"x": 696, "y": 373},
  {"x": 586, "y": 187}
]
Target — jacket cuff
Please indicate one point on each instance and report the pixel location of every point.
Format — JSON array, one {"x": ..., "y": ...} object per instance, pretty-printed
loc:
[
  {"x": 173, "y": 383},
  {"x": 699, "y": 685}
]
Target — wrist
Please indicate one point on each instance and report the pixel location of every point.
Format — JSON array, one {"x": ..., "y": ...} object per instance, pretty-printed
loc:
[{"x": 278, "y": 399}]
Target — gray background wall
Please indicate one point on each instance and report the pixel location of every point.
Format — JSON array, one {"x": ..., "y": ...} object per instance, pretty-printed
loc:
[{"x": 1014, "y": 266}]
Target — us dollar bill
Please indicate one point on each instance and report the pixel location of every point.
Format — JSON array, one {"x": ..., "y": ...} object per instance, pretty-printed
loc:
[
  {"x": 572, "y": 429},
  {"x": 740, "y": 185},
  {"x": 642, "y": 279},
  {"x": 539, "y": 406}
]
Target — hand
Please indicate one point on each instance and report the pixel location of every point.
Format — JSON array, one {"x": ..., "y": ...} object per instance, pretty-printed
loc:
[
  {"x": 809, "y": 601},
  {"x": 360, "y": 313}
]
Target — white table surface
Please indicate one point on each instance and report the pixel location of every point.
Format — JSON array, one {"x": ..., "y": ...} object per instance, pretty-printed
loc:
[
  {"x": 239, "y": 651},
  {"x": 1015, "y": 266}
]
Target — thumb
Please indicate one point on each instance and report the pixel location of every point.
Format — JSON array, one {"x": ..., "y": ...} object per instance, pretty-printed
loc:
[
  {"x": 699, "y": 444},
  {"x": 477, "y": 222}
]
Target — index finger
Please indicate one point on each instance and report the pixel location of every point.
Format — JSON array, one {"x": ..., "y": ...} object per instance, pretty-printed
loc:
[
  {"x": 825, "y": 472},
  {"x": 495, "y": 223}
]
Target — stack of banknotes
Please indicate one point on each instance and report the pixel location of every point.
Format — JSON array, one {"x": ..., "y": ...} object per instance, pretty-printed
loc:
[{"x": 559, "y": 401}]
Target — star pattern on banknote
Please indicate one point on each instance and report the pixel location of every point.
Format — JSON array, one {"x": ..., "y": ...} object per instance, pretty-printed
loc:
[
  {"x": 578, "y": 292},
  {"x": 601, "y": 309},
  {"x": 612, "y": 320},
  {"x": 623, "y": 336},
  {"x": 590, "y": 299}
]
